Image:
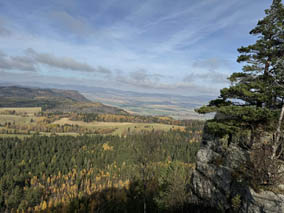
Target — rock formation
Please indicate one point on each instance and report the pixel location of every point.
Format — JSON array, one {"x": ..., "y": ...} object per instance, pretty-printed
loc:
[{"x": 215, "y": 181}]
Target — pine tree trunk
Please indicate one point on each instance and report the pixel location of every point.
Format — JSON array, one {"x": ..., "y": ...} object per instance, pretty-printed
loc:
[
  {"x": 277, "y": 142},
  {"x": 280, "y": 122}
]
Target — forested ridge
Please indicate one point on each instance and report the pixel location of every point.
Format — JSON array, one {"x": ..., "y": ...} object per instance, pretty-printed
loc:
[{"x": 106, "y": 173}]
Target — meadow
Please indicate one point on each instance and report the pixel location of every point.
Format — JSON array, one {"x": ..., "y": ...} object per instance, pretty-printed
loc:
[
  {"x": 120, "y": 127},
  {"x": 28, "y": 121}
]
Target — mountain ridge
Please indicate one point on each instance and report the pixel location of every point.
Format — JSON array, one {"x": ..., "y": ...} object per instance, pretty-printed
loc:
[
  {"x": 29, "y": 92},
  {"x": 53, "y": 100}
]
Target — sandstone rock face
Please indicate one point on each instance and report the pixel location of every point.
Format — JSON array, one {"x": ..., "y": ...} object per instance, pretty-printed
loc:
[{"x": 216, "y": 185}]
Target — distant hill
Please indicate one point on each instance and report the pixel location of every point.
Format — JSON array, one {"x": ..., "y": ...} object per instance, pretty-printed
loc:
[
  {"x": 177, "y": 106},
  {"x": 52, "y": 100},
  {"x": 37, "y": 93}
]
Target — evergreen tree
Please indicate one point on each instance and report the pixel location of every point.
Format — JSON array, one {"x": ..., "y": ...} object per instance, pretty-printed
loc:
[{"x": 255, "y": 97}]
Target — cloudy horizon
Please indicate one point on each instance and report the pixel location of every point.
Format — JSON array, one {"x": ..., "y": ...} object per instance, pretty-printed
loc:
[{"x": 177, "y": 47}]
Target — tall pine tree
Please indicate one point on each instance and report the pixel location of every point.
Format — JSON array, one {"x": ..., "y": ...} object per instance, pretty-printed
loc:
[{"x": 255, "y": 98}]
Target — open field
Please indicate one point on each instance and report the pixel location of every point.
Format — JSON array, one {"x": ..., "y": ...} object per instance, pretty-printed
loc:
[
  {"x": 25, "y": 123},
  {"x": 120, "y": 127},
  {"x": 15, "y": 119},
  {"x": 21, "y": 110}
]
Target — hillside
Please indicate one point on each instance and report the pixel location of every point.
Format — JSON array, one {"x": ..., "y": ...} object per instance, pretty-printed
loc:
[
  {"x": 36, "y": 93},
  {"x": 53, "y": 100}
]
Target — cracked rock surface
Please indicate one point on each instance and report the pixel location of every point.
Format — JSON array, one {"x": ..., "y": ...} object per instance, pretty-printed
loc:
[{"x": 213, "y": 182}]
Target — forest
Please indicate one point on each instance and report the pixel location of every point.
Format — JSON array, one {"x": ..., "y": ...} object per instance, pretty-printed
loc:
[{"x": 98, "y": 173}]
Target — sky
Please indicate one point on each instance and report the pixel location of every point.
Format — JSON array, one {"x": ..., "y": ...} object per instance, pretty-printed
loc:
[{"x": 185, "y": 47}]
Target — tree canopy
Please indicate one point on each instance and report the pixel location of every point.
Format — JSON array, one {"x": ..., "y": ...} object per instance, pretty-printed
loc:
[{"x": 255, "y": 97}]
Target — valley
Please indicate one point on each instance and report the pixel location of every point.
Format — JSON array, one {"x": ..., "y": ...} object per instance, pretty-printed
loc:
[
  {"x": 59, "y": 151},
  {"x": 176, "y": 106},
  {"x": 60, "y": 160}
]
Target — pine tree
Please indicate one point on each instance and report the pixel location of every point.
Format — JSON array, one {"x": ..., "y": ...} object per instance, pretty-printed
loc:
[{"x": 255, "y": 97}]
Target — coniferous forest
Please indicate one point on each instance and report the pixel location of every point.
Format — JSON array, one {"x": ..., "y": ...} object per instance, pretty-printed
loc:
[{"x": 98, "y": 173}]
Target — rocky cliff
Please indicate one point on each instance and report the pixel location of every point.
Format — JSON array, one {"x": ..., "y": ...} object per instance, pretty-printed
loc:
[{"x": 216, "y": 181}]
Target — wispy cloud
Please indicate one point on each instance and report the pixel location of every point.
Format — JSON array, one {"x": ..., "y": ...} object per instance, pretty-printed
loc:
[
  {"x": 198, "y": 27},
  {"x": 142, "y": 76},
  {"x": 63, "y": 62},
  {"x": 209, "y": 77},
  {"x": 32, "y": 58},
  {"x": 208, "y": 71},
  {"x": 64, "y": 22},
  {"x": 16, "y": 63},
  {"x": 141, "y": 79}
]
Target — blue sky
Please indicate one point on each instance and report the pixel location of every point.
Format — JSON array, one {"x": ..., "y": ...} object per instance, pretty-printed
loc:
[{"x": 186, "y": 47}]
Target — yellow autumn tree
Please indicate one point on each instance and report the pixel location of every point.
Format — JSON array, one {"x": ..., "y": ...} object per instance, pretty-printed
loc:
[{"x": 44, "y": 205}]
